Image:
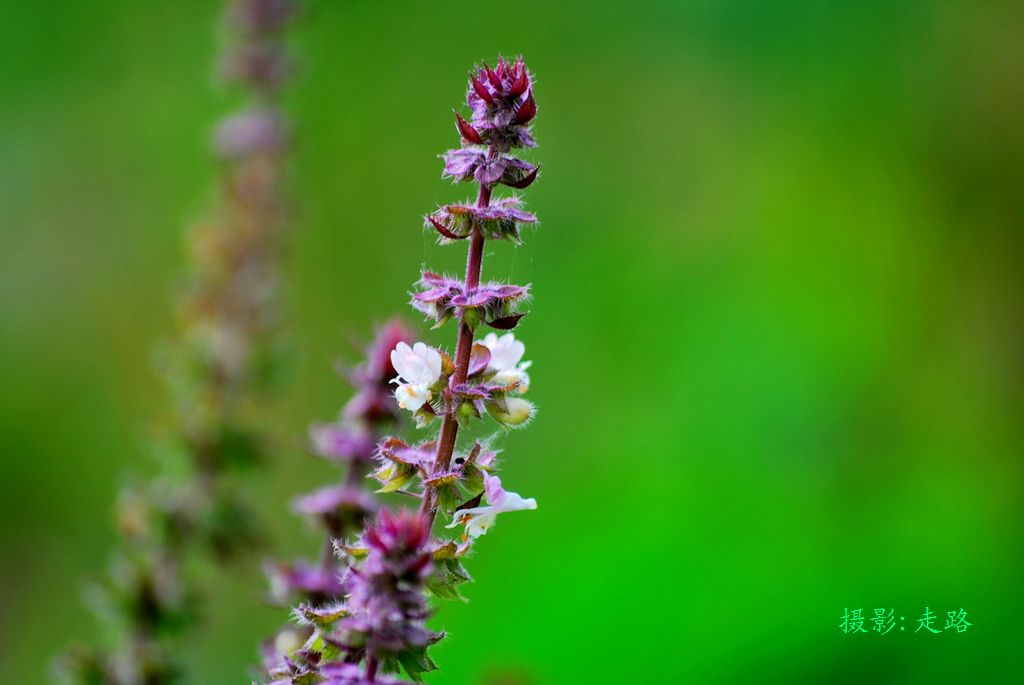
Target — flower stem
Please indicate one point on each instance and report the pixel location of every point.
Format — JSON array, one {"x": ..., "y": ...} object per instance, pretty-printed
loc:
[
  {"x": 450, "y": 428},
  {"x": 371, "y": 667}
]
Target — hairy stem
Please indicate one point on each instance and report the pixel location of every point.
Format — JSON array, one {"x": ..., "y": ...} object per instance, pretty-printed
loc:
[
  {"x": 371, "y": 667},
  {"x": 450, "y": 428}
]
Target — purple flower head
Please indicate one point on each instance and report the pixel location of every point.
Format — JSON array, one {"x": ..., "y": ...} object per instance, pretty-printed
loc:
[
  {"x": 500, "y": 219},
  {"x": 472, "y": 164},
  {"x": 397, "y": 542},
  {"x": 258, "y": 130},
  {"x": 501, "y": 98},
  {"x": 386, "y": 592},
  {"x": 442, "y": 298}
]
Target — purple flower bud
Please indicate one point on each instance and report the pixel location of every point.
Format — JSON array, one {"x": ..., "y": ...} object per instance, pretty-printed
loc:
[
  {"x": 469, "y": 133},
  {"x": 398, "y": 538},
  {"x": 522, "y": 79},
  {"x": 480, "y": 90},
  {"x": 527, "y": 110},
  {"x": 502, "y": 103}
]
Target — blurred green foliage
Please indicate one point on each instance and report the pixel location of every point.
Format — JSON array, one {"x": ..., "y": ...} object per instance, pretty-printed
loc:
[{"x": 777, "y": 331}]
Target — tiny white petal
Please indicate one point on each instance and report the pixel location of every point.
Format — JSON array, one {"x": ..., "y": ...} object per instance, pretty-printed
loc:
[
  {"x": 506, "y": 351},
  {"x": 514, "y": 502},
  {"x": 420, "y": 364},
  {"x": 516, "y": 376},
  {"x": 412, "y": 396}
]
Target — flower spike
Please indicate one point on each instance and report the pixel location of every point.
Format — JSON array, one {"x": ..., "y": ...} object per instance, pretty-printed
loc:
[{"x": 378, "y": 626}]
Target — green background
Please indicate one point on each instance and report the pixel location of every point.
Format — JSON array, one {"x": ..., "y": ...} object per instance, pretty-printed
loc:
[{"x": 777, "y": 331}]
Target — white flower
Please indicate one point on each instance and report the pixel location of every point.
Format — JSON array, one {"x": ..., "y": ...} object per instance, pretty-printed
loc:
[
  {"x": 479, "y": 519},
  {"x": 506, "y": 356},
  {"x": 418, "y": 368}
]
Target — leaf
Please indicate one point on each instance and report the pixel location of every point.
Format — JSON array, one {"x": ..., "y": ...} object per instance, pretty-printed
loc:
[
  {"x": 445, "y": 551},
  {"x": 447, "y": 576},
  {"x": 472, "y": 477},
  {"x": 322, "y": 616},
  {"x": 402, "y": 476},
  {"x": 448, "y": 497},
  {"x": 350, "y": 550},
  {"x": 441, "y": 480},
  {"x": 416, "y": 662},
  {"x": 307, "y": 678}
]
